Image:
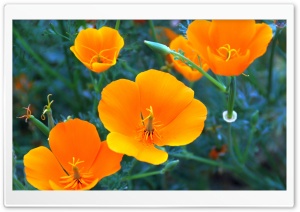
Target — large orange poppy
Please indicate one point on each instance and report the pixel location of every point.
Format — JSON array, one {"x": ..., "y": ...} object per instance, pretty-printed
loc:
[
  {"x": 78, "y": 160},
  {"x": 181, "y": 44},
  {"x": 229, "y": 46},
  {"x": 156, "y": 110},
  {"x": 98, "y": 50}
]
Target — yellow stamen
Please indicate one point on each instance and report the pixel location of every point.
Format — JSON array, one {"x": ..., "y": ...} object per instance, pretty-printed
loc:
[
  {"x": 78, "y": 178},
  {"x": 227, "y": 53},
  {"x": 150, "y": 129}
]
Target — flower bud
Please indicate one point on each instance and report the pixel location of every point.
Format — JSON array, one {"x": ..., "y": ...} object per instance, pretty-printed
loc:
[{"x": 158, "y": 47}]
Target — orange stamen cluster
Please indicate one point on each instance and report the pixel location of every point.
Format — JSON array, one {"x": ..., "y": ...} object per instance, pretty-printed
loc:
[
  {"x": 150, "y": 129},
  {"x": 227, "y": 53},
  {"x": 77, "y": 180},
  {"x": 27, "y": 115}
]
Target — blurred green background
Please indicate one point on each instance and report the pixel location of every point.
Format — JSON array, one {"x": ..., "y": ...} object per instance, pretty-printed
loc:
[{"x": 43, "y": 64}]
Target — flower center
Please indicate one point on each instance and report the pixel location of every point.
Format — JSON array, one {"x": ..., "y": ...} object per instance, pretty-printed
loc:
[
  {"x": 149, "y": 128},
  {"x": 78, "y": 178},
  {"x": 227, "y": 53}
]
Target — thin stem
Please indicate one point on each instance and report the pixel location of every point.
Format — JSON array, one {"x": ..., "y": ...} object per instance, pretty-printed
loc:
[
  {"x": 190, "y": 156},
  {"x": 244, "y": 170},
  {"x": 45, "y": 130},
  {"x": 128, "y": 68},
  {"x": 141, "y": 175},
  {"x": 41, "y": 61},
  {"x": 252, "y": 131},
  {"x": 152, "y": 28},
  {"x": 18, "y": 184},
  {"x": 231, "y": 98},
  {"x": 231, "y": 148},
  {"x": 117, "y": 25},
  {"x": 196, "y": 67},
  {"x": 71, "y": 74}
]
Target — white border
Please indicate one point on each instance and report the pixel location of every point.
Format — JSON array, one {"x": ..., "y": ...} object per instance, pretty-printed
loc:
[{"x": 147, "y": 198}]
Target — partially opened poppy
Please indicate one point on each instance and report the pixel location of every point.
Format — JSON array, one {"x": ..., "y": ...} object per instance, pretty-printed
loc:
[
  {"x": 156, "y": 110},
  {"x": 78, "y": 160},
  {"x": 181, "y": 44},
  {"x": 98, "y": 49},
  {"x": 229, "y": 46}
]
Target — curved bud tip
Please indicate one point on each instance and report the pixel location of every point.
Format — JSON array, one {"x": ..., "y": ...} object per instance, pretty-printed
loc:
[{"x": 158, "y": 47}]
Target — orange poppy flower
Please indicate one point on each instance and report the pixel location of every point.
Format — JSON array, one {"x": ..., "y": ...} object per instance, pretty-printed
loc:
[
  {"x": 98, "y": 49},
  {"x": 229, "y": 46},
  {"x": 78, "y": 160},
  {"x": 181, "y": 44},
  {"x": 156, "y": 110}
]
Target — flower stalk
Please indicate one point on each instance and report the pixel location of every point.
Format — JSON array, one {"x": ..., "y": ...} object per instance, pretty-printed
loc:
[
  {"x": 45, "y": 130},
  {"x": 166, "y": 50},
  {"x": 48, "y": 111},
  {"x": 231, "y": 97},
  {"x": 117, "y": 25}
]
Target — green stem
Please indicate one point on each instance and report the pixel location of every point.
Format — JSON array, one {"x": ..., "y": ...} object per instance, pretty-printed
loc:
[
  {"x": 152, "y": 28},
  {"x": 45, "y": 130},
  {"x": 18, "y": 184},
  {"x": 53, "y": 28},
  {"x": 196, "y": 67},
  {"x": 231, "y": 98},
  {"x": 128, "y": 68},
  {"x": 242, "y": 169},
  {"x": 231, "y": 147},
  {"x": 141, "y": 175},
  {"x": 252, "y": 131},
  {"x": 190, "y": 156},
  {"x": 44, "y": 65},
  {"x": 117, "y": 25},
  {"x": 270, "y": 76}
]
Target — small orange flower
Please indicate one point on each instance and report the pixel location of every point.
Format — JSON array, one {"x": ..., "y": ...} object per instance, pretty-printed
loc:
[
  {"x": 156, "y": 110},
  {"x": 78, "y": 160},
  {"x": 181, "y": 44},
  {"x": 98, "y": 49},
  {"x": 229, "y": 46}
]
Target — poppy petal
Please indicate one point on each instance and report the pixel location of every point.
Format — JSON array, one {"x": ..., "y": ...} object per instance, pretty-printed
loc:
[
  {"x": 236, "y": 33},
  {"x": 232, "y": 67},
  {"x": 259, "y": 44},
  {"x": 132, "y": 147},
  {"x": 164, "y": 93},
  {"x": 181, "y": 44},
  {"x": 197, "y": 34},
  {"x": 111, "y": 39},
  {"x": 119, "y": 108},
  {"x": 76, "y": 139},
  {"x": 100, "y": 67},
  {"x": 88, "y": 43},
  {"x": 56, "y": 186},
  {"x": 107, "y": 162},
  {"x": 40, "y": 166},
  {"x": 187, "y": 126}
]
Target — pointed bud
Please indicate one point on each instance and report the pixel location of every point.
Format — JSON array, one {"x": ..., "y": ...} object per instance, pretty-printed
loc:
[
  {"x": 170, "y": 166},
  {"x": 158, "y": 47}
]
